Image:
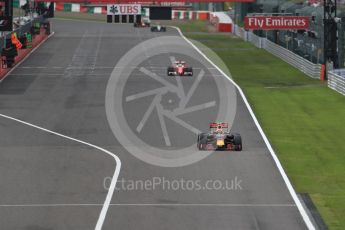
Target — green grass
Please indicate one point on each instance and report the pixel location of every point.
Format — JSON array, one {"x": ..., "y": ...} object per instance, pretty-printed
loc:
[
  {"x": 191, "y": 26},
  {"x": 302, "y": 117},
  {"x": 81, "y": 16}
]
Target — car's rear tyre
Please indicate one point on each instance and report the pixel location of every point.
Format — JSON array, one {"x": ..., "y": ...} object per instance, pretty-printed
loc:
[
  {"x": 238, "y": 142},
  {"x": 201, "y": 143},
  {"x": 169, "y": 70},
  {"x": 189, "y": 70}
]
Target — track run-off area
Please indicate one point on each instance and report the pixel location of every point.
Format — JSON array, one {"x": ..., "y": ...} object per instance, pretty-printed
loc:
[{"x": 94, "y": 92}]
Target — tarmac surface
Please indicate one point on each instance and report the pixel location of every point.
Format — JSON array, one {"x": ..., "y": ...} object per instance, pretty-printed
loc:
[{"x": 48, "y": 182}]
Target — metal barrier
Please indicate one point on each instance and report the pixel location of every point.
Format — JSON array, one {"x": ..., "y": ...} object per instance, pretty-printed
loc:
[
  {"x": 256, "y": 40},
  {"x": 240, "y": 32},
  {"x": 336, "y": 80},
  {"x": 307, "y": 67}
]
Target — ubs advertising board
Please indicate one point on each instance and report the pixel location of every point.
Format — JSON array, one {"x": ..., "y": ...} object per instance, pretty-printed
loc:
[
  {"x": 124, "y": 9},
  {"x": 276, "y": 22}
]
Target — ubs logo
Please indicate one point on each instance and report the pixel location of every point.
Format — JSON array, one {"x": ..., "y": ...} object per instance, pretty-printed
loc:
[
  {"x": 122, "y": 9},
  {"x": 114, "y": 9}
]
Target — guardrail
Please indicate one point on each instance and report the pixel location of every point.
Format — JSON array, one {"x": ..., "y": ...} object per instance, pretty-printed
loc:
[
  {"x": 307, "y": 67},
  {"x": 240, "y": 32},
  {"x": 256, "y": 40},
  {"x": 336, "y": 80}
]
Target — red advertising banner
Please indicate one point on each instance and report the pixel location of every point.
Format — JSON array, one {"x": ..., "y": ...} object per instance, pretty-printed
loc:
[{"x": 276, "y": 22}]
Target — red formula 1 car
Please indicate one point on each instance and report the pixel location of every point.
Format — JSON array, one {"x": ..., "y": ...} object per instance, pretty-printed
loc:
[
  {"x": 180, "y": 69},
  {"x": 219, "y": 138}
]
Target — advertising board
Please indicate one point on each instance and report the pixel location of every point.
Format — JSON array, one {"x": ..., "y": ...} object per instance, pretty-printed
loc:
[
  {"x": 123, "y": 9},
  {"x": 276, "y": 22}
]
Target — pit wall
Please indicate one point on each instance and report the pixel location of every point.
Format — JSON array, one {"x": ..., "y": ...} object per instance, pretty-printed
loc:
[{"x": 37, "y": 39}]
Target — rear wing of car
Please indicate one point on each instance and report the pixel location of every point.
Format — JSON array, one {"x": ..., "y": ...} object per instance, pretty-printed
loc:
[{"x": 222, "y": 125}]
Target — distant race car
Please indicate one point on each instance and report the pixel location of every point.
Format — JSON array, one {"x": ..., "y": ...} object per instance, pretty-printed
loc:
[
  {"x": 158, "y": 28},
  {"x": 145, "y": 22},
  {"x": 180, "y": 69},
  {"x": 219, "y": 138}
]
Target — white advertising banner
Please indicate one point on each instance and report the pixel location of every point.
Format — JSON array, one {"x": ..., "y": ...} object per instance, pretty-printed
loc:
[{"x": 123, "y": 9}]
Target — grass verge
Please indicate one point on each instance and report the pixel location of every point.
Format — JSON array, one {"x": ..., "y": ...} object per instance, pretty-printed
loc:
[
  {"x": 302, "y": 117},
  {"x": 81, "y": 16}
]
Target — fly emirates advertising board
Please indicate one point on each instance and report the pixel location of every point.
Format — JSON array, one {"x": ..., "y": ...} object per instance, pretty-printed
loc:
[{"x": 276, "y": 23}]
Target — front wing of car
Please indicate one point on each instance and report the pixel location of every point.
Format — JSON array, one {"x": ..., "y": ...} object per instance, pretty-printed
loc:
[
  {"x": 173, "y": 72},
  {"x": 155, "y": 29}
]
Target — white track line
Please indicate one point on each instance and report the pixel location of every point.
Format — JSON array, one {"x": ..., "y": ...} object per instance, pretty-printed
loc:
[
  {"x": 114, "y": 179},
  {"x": 28, "y": 55},
  {"x": 111, "y": 190},
  {"x": 273, "y": 154},
  {"x": 144, "y": 205},
  {"x": 112, "y": 187}
]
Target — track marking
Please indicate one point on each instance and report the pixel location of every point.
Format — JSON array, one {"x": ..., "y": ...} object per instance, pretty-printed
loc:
[
  {"x": 146, "y": 93},
  {"x": 190, "y": 93},
  {"x": 163, "y": 125},
  {"x": 114, "y": 179},
  {"x": 161, "y": 80},
  {"x": 93, "y": 65},
  {"x": 36, "y": 74},
  {"x": 145, "y": 205},
  {"x": 112, "y": 186},
  {"x": 263, "y": 135},
  {"x": 184, "y": 124},
  {"x": 195, "y": 108},
  {"x": 147, "y": 113},
  {"x": 40, "y": 67}
]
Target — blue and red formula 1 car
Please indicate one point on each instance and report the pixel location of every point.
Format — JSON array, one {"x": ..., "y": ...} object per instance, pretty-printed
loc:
[{"x": 219, "y": 138}]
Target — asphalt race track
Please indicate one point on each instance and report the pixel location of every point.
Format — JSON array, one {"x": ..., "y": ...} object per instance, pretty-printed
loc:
[{"x": 48, "y": 182}]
